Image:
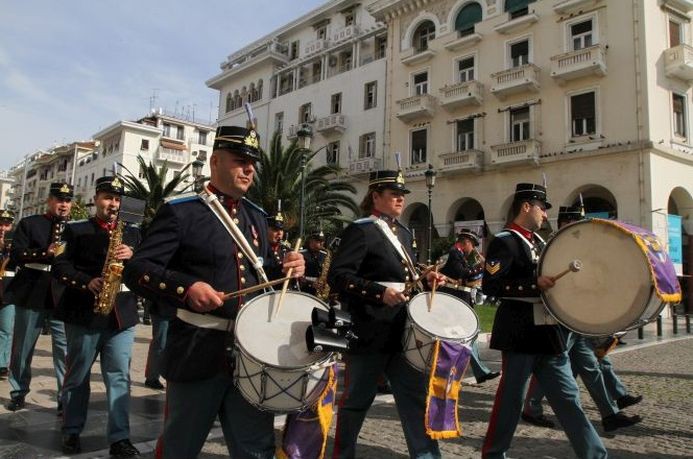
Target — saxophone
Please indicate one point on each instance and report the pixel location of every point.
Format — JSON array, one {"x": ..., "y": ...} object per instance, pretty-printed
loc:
[
  {"x": 322, "y": 288},
  {"x": 112, "y": 274}
]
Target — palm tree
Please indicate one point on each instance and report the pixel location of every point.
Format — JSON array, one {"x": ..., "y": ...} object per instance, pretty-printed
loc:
[
  {"x": 154, "y": 189},
  {"x": 278, "y": 176}
]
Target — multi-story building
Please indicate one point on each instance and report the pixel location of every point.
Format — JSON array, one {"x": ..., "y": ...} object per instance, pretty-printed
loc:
[
  {"x": 6, "y": 182},
  {"x": 326, "y": 69}
]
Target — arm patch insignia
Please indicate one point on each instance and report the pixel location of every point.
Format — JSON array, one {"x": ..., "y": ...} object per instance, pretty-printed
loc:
[{"x": 493, "y": 266}]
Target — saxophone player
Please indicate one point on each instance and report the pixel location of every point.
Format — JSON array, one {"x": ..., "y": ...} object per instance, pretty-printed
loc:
[
  {"x": 314, "y": 254},
  {"x": 6, "y": 305},
  {"x": 108, "y": 332}
]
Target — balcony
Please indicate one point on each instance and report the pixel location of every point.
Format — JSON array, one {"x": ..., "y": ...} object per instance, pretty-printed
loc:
[
  {"x": 579, "y": 63},
  {"x": 345, "y": 33},
  {"x": 520, "y": 152},
  {"x": 678, "y": 62},
  {"x": 458, "y": 43},
  {"x": 413, "y": 56},
  {"x": 335, "y": 123},
  {"x": 513, "y": 25},
  {"x": 684, "y": 6},
  {"x": 572, "y": 6},
  {"x": 460, "y": 162},
  {"x": 171, "y": 156},
  {"x": 364, "y": 165},
  {"x": 412, "y": 108},
  {"x": 315, "y": 46},
  {"x": 462, "y": 94},
  {"x": 515, "y": 80}
]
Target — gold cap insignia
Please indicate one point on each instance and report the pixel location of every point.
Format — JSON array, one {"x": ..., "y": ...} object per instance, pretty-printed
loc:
[
  {"x": 116, "y": 183},
  {"x": 65, "y": 188},
  {"x": 251, "y": 139},
  {"x": 279, "y": 217},
  {"x": 5, "y": 214},
  {"x": 400, "y": 177}
]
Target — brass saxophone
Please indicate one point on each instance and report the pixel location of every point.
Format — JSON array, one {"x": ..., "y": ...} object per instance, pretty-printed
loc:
[
  {"x": 112, "y": 274},
  {"x": 322, "y": 288}
]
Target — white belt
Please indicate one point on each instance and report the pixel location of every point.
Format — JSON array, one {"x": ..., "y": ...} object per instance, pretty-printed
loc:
[
  {"x": 462, "y": 287},
  {"x": 399, "y": 286},
  {"x": 8, "y": 274},
  {"x": 310, "y": 279},
  {"x": 204, "y": 320},
  {"x": 38, "y": 266}
]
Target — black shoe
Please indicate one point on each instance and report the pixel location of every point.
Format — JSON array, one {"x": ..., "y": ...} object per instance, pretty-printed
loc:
[
  {"x": 539, "y": 421},
  {"x": 16, "y": 404},
  {"x": 488, "y": 377},
  {"x": 60, "y": 410},
  {"x": 628, "y": 400},
  {"x": 4, "y": 373},
  {"x": 71, "y": 444},
  {"x": 618, "y": 420},
  {"x": 123, "y": 448},
  {"x": 154, "y": 384}
]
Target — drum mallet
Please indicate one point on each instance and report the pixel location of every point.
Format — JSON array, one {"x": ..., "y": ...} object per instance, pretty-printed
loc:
[{"x": 573, "y": 267}]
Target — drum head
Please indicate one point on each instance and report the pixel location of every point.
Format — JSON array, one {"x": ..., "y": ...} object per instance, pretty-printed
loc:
[
  {"x": 278, "y": 341},
  {"x": 612, "y": 289},
  {"x": 449, "y": 317}
]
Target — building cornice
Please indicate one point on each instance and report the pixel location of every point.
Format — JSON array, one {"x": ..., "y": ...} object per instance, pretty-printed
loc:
[
  {"x": 387, "y": 10},
  {"x": 121, "y": 125}
]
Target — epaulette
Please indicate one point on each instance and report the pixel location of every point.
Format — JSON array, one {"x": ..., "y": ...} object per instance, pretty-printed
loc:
[
  {"x": 255, "y": 206},
  {"x": 73, "y": 222},
  {"x": 324, "y": 252},
  {"x": 181, "y": 198},
  {"x": 503, "y": 233},
  {"x": 363, "y": 220}
]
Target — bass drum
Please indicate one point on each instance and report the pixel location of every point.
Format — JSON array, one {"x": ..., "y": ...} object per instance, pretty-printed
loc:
[{"x": 613, "y": 291}]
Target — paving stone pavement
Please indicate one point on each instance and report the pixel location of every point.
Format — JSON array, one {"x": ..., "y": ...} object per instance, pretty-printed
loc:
[{"x": 661, "y": 371}]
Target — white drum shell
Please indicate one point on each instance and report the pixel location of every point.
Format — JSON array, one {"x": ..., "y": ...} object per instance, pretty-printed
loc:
[
  {"x": 449, "y": 319},
  {"x": 274, "y": 370}
]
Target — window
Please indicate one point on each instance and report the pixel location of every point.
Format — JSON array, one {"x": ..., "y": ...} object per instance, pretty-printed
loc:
[
  {"x": 142, "y": 172},
  {"x": 367, "y": 145},
  {"x": 279, "y": 122},
  {"x": 202, "y": 137},
  {"x": 348, "y": 18},
  {"x": 679, "y": 103},
  {"x": 333, "y": 153},
  {"x": 92, "y": 178},
  {"x": 421, "y": 83},
  {"x": 466, "y": 18},
  {"x": 79, "y": 182},
  {"x": 103, "y": 173},
  {"x": 370, "y": 95},
  {"x": 519, "y": 124},
  {"x": 144, "y": 145},
  {"x": 425, "y": 32},
  {"x": 465, "y": 69},
  {"x": 465, "y": 135},
  {"x": 519, "y": 53},
  {"x": 418, "y": 146},
  {"x": 582, "y": 114},
  {"x": 321, "y": 32},
  {"x": 229, "y": 102},
  {"x": 675, "y": 33},
  {"x": 167, "y": 130},
  {"x": 380, "y": 47},
  {"x": 293, "y": 53},
  {"x": 336, "y": 103},
  {"x": 581, "y": 35},
  {"x": 305, "y": 113},
  {"x": 517, "y": 8},
  {"x": 202, "y": 155},
  {"x": 181, "y": 133}
]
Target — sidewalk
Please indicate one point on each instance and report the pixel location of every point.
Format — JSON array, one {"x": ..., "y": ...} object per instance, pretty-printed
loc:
[{"x": 659, "y": 368}]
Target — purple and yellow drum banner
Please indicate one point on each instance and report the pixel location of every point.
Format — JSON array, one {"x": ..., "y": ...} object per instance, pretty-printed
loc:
[
  {"x": 305, "y": 433},
  {"x": 661, "y": 268},
  {"x": 450, "y": 361}
]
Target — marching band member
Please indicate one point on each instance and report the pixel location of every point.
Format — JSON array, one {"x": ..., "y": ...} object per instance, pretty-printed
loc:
[
  {"x": 108, "y": 333},
  {"x": 187, "y": 261},
  {"x": 35, "y": 293},
  {"x": 369, "y": 271},
  {"x": 528, "y": 343},
  {"x": 278, "y": 248},
  {"x": 6, "y": 306},
  {"x": 314, "y": 254}
]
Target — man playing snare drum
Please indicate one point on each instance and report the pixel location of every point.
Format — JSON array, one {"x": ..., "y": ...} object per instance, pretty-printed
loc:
[
  {"x": 187, "y": 261},
  {"x": 369, "y": 271}
]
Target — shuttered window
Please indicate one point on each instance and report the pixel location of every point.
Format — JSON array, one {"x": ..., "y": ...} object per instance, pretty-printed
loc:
[
  {"x": 466, "y": 18},
  {"x": 583, "y": 114}
]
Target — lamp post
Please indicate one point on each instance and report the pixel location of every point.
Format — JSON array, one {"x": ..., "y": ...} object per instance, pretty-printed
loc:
[
  {"x": 305, "y": 135},
  {"x": 430, "y": 183},
  {"x": 198, "y": 179}
]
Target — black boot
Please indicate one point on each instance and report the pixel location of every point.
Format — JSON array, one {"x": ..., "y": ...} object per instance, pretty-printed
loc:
[
  {"x": 71, "y": 444},
  {"x": 123, "y": 449},
  {"x": 16, "y": 404}
]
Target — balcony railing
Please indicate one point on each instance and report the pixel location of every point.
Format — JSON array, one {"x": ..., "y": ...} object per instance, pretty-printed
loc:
[
  {"x": 461, "y": 42},
  {"x": 578, "y": 63},
  {"x": 516, "y": 152},
  {"x": 515, "y": 24},
  {"x": 462, "y": 94},
  {"x": 515, "y": 80},
  {"x": 332, "y": 71},
  {"x": 172, "y": 156},
  {"x": 413, "y": 56},
  {"x": 335, "y": 123},
  {"x": 345, "y": 33},
  {"x": 421, "y": 106},
  {"x": 315, "y": 46},
  {"x": 462, "y": 161},
  {"x": 678, "y": 62},
  {"x": 364, "y": 165}
]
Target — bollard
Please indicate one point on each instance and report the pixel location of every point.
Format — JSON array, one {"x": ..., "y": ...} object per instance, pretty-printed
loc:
[
  {"x": 641, "y": 333},
  {"x": 659, "y": 325},
  {"x": 675, "y": 323}
]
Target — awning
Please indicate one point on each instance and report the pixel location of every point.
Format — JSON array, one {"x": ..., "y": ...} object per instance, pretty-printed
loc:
[{"x": 173, "y": 145}]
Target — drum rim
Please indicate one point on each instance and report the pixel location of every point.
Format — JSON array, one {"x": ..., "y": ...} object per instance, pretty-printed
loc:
[
  {"x": 321, "y": 362},
  {"x": 454, "y": 340}
]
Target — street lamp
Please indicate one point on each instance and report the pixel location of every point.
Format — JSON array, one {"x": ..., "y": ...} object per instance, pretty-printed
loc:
[
  {"x": 430, "y": 183},
  {"x": 305, "y": 135},
  {"x": 198, "y": 179}
]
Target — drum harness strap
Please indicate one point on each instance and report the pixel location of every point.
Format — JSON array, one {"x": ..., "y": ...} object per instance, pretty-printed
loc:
[{"x": 390, "y": 236}]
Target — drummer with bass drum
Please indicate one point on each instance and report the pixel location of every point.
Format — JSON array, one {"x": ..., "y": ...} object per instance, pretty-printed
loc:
[
  {"x": 188, "y": 260},
  {"x": 369, "y": 271}
]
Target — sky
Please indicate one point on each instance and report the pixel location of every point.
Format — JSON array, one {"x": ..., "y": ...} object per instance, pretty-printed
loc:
[{"x": 69, "y": 68}]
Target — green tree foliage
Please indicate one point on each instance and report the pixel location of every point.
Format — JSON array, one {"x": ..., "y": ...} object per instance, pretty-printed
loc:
[{"x": 79, "y": 210}]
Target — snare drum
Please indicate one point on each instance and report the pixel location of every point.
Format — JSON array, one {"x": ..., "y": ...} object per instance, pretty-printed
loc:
[
  {"x": 449, "y": 319},
  {"x": 274, "y": 370},
  {"x": 615, "y": 289}
]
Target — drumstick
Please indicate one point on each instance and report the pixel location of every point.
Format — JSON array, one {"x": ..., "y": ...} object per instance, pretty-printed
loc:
[
  {"x": 573, "y": 267},
  {"x": 254, "y": 288},
  {"x": 433, "y": 289},
  {"x": 412, "y": 285},
  {"x": 286, "y": 282}
]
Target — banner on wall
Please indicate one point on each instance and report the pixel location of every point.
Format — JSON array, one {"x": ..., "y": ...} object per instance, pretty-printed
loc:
[{"x": 675, "y": 246}]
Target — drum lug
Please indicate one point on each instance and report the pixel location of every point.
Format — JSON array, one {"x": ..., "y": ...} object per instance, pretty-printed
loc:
[{"x": 263, "y": 385}]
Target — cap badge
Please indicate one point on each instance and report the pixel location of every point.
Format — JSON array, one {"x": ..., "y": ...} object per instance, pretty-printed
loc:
[
  {"x": 251, "y": 140},
  {"x": 65, "y": 188}
]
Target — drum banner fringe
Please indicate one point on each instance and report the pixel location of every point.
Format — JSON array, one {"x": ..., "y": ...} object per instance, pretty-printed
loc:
[
  {"x": 450, "y": 361},
  {"x": 305, "y": 433},
  {"x": 659, "y": 264}
]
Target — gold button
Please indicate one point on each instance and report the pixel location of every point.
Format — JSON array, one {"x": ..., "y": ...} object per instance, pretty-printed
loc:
[
  {"x": 520, "y": 288},
  {"x": 377, "y": 296},
  {"x": 236, "y": 221},
  {"x": 363, "y": 292},
  {"x": 146, "y": 277},
  {"x": 84, "y": 286},
  {"x": 507, "y": 287},
  {"x": 534, "y": 287},
  {"x": 74, "y": 282},
  {"x": 234, "y": 211},
  {"x": 162, "y": 286},
  {"x": 64, "y": 278},
  {"x": 24, "y": 253},
  {"x": 180, "y": 290},
  {"x": 240, "y": 255},
  {"x": 406, "y": 278},
  {"x": 43, "y": 253},
  {"x": 242, "y": 267},
  {"x": 351, "y": 285},
  {"x": 242, "y": 280}
]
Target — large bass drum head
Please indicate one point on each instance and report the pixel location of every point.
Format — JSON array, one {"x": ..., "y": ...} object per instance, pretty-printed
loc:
[
  {"x": 449, "y": 318},
  {"x": 610, "y": 292}
]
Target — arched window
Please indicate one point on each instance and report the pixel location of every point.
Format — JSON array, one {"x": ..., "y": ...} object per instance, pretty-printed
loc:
[
  {"x": 229, "y": 102},
  {"x": 251, "y": 93},
  {"x": 259, "y": 90},
  {"x": 466, "y": 18},
  {"x": 425, "y": 32},
  {"x": 237, "y": 100},
  {"x": 517, "y": 8}
]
